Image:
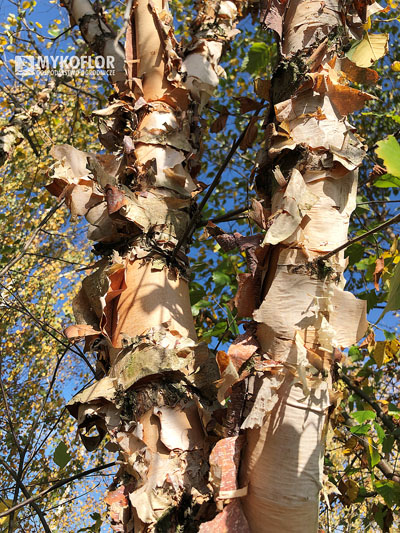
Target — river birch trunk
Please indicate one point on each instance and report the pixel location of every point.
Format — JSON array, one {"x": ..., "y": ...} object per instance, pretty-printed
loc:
[
  {"x": 155, "y": 388},
  {"x": 307, "y": 178},
  {"x": 155, "y": 393}
]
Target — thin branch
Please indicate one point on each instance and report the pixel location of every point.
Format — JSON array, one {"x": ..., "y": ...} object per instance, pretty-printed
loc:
[
  {"x": 39, "y": 415},
  {"x": 385, "y": 418},
  {"x": 231, "y": 215},
  {"x": 56, "y": 486},
  {"x": 379, "y": 202},
  {"x": 383, "y": 465},
  {"x": 360, "y": 237},
  {"x": 44, "y": 256},
  {"x": 124, "y": 27},
  {"x": 34, "y": 233},
  {"x": 7, "y": 408},
  {"x": 27, "y": 495},
  {"x": 47, "y": 328},
  {"x": 195, "y": 219}
]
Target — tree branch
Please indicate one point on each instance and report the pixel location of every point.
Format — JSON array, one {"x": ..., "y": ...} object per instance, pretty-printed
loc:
[
  {"x": 62, "y": 482},
  {"x": 195, "y": 219},
  {"x": 385, "y": 418},
  {"x": 34, "y": 233},
  {"x": 383, "y": 466},
  {"x": 360, "y": 238},
  {"x": 26, "y": 493}
]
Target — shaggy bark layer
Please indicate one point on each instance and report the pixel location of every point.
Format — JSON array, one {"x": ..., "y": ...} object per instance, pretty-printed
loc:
[
  {"x": 156, "y": 391},
  {"x": 307, "y": 178}
]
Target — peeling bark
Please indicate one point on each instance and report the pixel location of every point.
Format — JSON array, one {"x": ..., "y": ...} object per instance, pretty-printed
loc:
[
  {"x": 183, "y": 465},
  {"x": 307, "y": 178},
  {"x": 155, "y": 393},
  {"x": 98, "y": 35}
]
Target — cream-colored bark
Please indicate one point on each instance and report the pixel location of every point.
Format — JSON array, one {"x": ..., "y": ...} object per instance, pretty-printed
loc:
[
  {"x": 156, "y": 386},
  {"x": 305, "y": 316}
]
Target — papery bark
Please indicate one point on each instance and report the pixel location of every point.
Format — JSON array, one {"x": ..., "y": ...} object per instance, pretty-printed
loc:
[
  {"x": 307, "y": 177},
  {"x": 155, "y": 392},
  {"x": 98, "y": 35}
]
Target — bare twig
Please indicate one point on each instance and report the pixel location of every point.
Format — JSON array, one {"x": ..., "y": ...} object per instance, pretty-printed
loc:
[
  {"x": 389, "y": 222},
  {"x": 34, "y": 233},
  {"x": 7, "y": 409},
  {"x": 231, "y": 215},
  {"x": 56, "y": 486},
  {"x": 27, "y": 495},
  {"x": 195, "y": 219}
]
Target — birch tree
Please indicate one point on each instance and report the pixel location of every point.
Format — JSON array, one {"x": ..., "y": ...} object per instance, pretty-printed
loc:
[
  {"x": 156, "y": 397},
  {"x": 232, "y": 440}
]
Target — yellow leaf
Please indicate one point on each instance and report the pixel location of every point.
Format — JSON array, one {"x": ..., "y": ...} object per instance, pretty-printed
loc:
[
  {"x": 368, "y": 24},
  {"x": 38, "y": 25},
  {"x": 351, "y": 443},
  {"x": 262, "y": 88},
  {"x": 57, "y": 21},
  {"x": 25, "y": 5},
  {"x": 371, "y": 48},
  {"x": 352, "y": 490},
  {"x": 379, "y": 352},
  {"x": 392, "y": 348},
  {"x": 385, "y": 351},
  {"x": 4, "y": 505}
]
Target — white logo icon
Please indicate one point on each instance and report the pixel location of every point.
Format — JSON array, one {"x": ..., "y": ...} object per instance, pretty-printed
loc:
[{"x": 25, "y": 65}]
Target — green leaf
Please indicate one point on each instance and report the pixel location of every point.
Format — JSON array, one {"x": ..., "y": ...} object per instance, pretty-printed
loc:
[
  {"x": 355, "y": 353},
  {"x": 355, "y": 253},
  {"x": 379, "y": 431},
  {"x": 220, "y": 278},
  {"x": 389, "y": 151},
  {"x": 363, "y": 416},
  {"x": 373, "y": 454},
  {"x": 387, "y": 444},
  {"x": 256, "y": 59},
  {"x": 393, "y": 302},
  {"x": 61, "y": 456},
  {"x": 94, "y": 528},
  {"x": 360, "y": 430},
  {"x": 201, "y": 304},
  {"x": 54, "y": 32},
  {"x": 389, "y": 335},
  {"x": 393, "y": 410},
  {"x": 232, "y": 322},
  {"x": 389, "y": 490},
  {"x": 387, "y": 180}
]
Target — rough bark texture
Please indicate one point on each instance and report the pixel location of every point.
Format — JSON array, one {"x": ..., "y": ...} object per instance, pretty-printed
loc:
[
  {"x": 307, "y": 179},
  {"x": 155, "y": 395},
  {"x": 156, "y": 386}
]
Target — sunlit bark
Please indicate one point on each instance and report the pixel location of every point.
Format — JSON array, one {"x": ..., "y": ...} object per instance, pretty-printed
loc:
[
  {"x": 309, "y": 169},
  {"x": 156, "y": 387}
]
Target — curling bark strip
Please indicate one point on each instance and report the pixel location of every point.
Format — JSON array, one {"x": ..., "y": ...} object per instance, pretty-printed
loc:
[
  {"x": 307, "y": 180},
  {"x": 155, "y": 391}
]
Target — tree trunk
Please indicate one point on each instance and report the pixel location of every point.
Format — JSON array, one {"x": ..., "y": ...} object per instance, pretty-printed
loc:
[
  {"x": 309, "y": 169},
  {"x": 156, "y": 390},
  {"x": 156, "y": 386}
]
